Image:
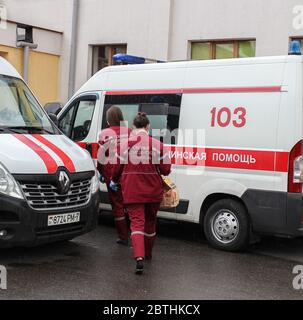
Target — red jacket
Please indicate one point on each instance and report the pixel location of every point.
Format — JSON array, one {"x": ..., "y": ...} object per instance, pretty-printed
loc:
[
  {"x": 142, "y": 160},
  {"x": 109, "y": 139}
]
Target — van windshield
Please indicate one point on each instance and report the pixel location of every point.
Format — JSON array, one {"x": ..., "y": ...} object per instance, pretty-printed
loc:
[{"x": 19, "y": 110}]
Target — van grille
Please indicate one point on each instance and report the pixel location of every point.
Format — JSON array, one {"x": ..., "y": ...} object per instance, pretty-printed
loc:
[{"x": 46, "y": 196}]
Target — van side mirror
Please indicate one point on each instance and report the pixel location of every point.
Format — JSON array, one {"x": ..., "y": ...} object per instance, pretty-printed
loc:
[
  {"x": 54, "y": 118},
  {"x": 53, "y": 107}
]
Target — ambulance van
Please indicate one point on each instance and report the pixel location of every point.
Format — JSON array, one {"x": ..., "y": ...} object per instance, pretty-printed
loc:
[
  {"x": 238, "y": 152},
  {"x": 49, "y": 188}
]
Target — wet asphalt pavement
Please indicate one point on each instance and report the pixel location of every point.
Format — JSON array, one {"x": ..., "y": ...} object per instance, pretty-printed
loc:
[{"x": 184, "y": 267}]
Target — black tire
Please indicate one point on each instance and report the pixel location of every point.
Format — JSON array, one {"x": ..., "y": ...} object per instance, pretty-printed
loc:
[{"x": 235, "y": 222}]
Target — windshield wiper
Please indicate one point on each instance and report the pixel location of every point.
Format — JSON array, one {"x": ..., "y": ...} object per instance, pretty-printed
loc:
[
  {"x": 29, "y": 129},
  {"x": 6, "y": 130}
]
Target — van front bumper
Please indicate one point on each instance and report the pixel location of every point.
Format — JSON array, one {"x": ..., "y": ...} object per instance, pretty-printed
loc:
[
  {"x": 275, "y": 213},
  {"x": 25, "y": 226}
]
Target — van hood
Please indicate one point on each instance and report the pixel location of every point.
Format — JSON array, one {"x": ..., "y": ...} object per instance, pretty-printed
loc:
[{"x": 42, "y": 154}]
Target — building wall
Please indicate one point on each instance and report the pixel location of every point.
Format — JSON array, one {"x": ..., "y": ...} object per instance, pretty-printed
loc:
[
  {"x": 159, "y": 29},
  {"x": 44, "y": 76},
  {"x": 163, "y": 29},
  {"x": 141, "y": 24},
  {"x": 53, "y": 21},
  {"x": 43, "y": 71},
  {"x": 14, "y": 56},
  {"x": 270, "y": 22}
]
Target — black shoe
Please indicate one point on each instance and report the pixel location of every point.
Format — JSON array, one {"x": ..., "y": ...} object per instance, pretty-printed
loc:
[
  {"x": 122, "y": 242},
  {"x": 139, "y": 267}
]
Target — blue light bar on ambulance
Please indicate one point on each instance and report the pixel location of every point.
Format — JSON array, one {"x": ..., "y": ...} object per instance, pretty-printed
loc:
[
  {"x": 295, "y": 48},
  {"x": 129, "y": 59}
]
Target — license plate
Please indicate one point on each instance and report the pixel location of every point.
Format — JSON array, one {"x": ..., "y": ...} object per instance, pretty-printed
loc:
[{"x": 66, "y": 218}]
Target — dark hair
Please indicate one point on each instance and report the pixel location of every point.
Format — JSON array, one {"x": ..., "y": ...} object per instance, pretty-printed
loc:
[
  {"x": 114, "y": 116},
  {"x": 141, "y": 120}
]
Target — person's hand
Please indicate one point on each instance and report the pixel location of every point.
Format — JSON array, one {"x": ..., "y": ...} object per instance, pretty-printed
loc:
[
  {"x": 114, "y": 186},
  {"x": 102, "y": 179}
]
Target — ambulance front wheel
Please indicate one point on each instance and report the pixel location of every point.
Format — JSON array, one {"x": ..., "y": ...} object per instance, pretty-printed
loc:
[{"x": 226, "y": 225}]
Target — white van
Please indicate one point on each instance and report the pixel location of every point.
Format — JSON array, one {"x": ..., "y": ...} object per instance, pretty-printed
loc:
[
  {"x": 49, "y": 188},
  {"x": 243, "y": 171}
]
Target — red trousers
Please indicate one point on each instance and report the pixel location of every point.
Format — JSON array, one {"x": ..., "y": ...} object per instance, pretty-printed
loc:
[
  {"x": 143, "y": 218},
  {"x": 121, "y": 219}
]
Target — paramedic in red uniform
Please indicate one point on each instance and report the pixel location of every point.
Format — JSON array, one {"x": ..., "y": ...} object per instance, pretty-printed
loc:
[
  {"x": 142, "y": 162},
  {"x": 109, "y": 140}
]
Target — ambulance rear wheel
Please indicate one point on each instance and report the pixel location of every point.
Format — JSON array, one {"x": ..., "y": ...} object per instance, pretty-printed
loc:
[{"x": 226, "y": 225}]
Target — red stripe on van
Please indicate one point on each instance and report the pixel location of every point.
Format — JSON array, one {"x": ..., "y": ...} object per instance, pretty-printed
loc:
[
  {"x": 128, "y": 92},
  {"x": 68, "y": 162},
  {"x": 229, "y": 158},
  {"x": 49, "y": 162},
  {"x": 236, "y": 90},
  {"x": 282, "y": 161},
  {"x": 198, "y": 90}
]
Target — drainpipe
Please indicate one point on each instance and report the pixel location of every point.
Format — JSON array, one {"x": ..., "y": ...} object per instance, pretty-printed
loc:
[
  {"x": 73, "y": 48},
  {"x": 26, "y": 47},
  {"x": 170, "y": 29}
]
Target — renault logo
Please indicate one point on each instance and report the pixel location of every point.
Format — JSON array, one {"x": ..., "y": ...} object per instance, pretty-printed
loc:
[{"x": 64, "y": 182}]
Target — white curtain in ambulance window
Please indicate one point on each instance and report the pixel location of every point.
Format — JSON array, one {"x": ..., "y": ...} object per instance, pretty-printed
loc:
[
  {"x": 83, "y": 120},
  {"x": 158, "y": 123},
  {"x": 129, "y": 113},
  {"x": 158, "y": 116},
  {"x": 163, "y": 118}
]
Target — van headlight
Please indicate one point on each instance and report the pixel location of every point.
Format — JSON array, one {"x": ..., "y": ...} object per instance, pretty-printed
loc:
[
  {"x": 95, "y": 183},
  {"x": 8, "y": 185}
]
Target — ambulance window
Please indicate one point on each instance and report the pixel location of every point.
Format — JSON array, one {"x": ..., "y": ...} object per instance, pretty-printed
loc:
[
  {"x": 76, "y": 121},
  {"x": 162, "y": 110},
  {"x": 83, "y": 120},
  {"x": 66, "y": 122},
  {"x": 158, "y": 116},
  {"x": 129, "y": 112}
]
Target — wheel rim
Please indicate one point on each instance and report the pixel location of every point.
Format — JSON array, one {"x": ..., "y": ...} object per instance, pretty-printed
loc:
[{"x": 225, "y": 226}]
